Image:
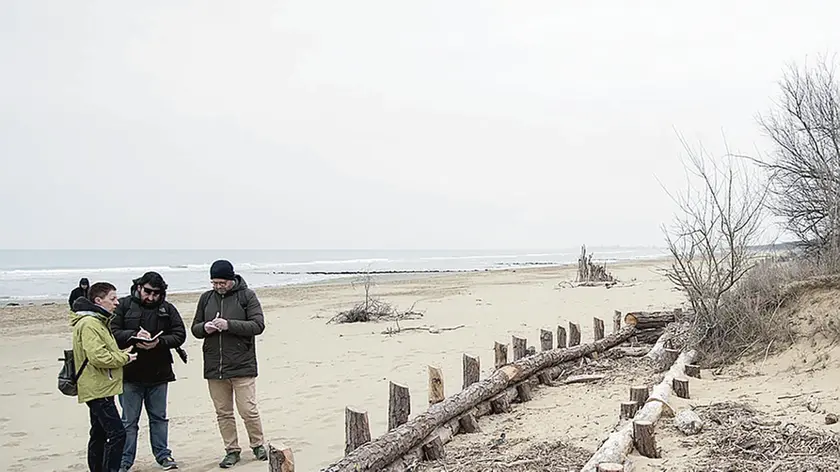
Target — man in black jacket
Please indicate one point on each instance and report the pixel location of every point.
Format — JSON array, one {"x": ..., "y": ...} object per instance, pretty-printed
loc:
[
  {"x": 146, "y": 314},
  {"x": 79, "y": 292},
  {"x": 228, "y": 318}
]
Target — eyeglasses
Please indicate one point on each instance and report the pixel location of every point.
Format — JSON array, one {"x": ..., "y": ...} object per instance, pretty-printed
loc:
[
  {"x": 220, "y": 283},
  {"x": 151, "y": 291}
]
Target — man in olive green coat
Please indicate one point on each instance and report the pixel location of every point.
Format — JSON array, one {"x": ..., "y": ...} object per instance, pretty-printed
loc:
[{"x": 100, "y": 378}]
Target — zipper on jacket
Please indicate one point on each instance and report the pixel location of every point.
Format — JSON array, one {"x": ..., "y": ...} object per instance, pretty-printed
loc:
[{"x": 221, "y": 311}]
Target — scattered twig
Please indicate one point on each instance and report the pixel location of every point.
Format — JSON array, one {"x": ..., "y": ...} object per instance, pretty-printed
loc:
[{"x": 797, "y": 395}]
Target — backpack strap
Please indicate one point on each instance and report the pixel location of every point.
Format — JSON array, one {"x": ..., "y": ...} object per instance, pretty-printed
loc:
[
  {"x": 202, "y": 301},
  {"x": 82, "y": 369}
]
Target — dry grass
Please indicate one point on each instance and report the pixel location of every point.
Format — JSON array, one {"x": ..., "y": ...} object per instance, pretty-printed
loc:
[{"x": 517, "y": 455}]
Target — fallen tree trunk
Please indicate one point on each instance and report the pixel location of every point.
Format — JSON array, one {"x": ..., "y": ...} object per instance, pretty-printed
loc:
[
  {"x": 620, "y": 443},
  {"x": 384, "y": 450},
  {"x": 649, "y": 336},
  {"x": 648, "y": 320}
]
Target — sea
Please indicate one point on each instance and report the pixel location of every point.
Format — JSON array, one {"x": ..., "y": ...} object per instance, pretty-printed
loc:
[{"x": 48, "y": 275}]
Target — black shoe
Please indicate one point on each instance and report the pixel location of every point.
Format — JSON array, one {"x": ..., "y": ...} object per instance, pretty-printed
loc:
[
  {"x": 230, "y": 460},
  {"x": 260, "y": 454},
  {"x": 168, "y": 464}
]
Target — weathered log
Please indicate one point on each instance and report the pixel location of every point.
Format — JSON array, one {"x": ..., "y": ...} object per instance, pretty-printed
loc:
[
  {"x": 356, "y": 429},
  {"x": 692, "y": 370},
  {"x": 620, "y": 443},
  {"x": 610, "y": 467},
  {"x": 546, "y": 340},
  {"x": 523, "y": 390},
  {"x": 574, "y": 334},
  {"x": 469, "y": 424},
  {"x": 616, "y": 321},
  {"x": 657, "y": 352},
  {"x": 520, "y": 347},
  {"x": 501, "y": 354},
  {"x": 391, "y": 446},
  {"x": 472, "y": 370},
  {"x": 644, "y": 438},
  {"x": 436, "y": 394},
  {"x": 597, "y": 329},
  {"x": 628, "y": 409},
  {"x": 545, "y": 379},
  {"x": 561, "y": 337},
  {"x": 649, "y": 336},
  {"x": 639, "y": 394},
  {"x": 399, "y": 405},
  {"x": 500, "y": 404},
  {"x": 433, "y": 450},
  {"x": 280, "y": 459},
  {"x": 647, "y": 320},
  {"x": 681, "y": 387}
]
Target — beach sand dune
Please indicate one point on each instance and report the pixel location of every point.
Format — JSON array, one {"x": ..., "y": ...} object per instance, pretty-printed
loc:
[{"x": 309, "y": 370}]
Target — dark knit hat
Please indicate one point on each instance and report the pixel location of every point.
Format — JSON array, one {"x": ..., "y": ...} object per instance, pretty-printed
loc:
[{"x": 222, "y": 269}]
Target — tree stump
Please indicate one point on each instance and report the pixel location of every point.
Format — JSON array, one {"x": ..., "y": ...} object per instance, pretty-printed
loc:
[
  {"x": 433, "y": 450},
  {"x": 639, "y": 394},
  {"x": 520, "y": 348},
  {"x": 598, "y": 329},
  {"x": 644, "y": 439},
  {"x": 500, "y": 404},
  {"x": 472, "y": 370},
  {"x": 356, "y": 429},
  {"x": 574, "y": 334},
  {"x": 280, "y": 459},
  {"x": 669, "y": 357},
  {"x": 561, "y": 337},
  {"x": 523, "y": 390},
  {"x": 546, "y": 340},
  {"x": 436, "y": 394},
  {"x": 610, "y": 467},
  {"x": 399, "y": 405},
  {"x": 681, "y": 387},
  {"x": 501, "y": 354},
  {"x": 692, "y": 370},
  {"x": 469, "y": 424},
  {"x": 629, "y": 409},
  {"x": 616, "y": 321}
]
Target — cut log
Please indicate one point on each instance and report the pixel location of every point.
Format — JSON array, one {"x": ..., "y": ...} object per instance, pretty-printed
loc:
[
  {"x": 546, "y": 340},
  {"x": 620, "y": 443},
  {"x": 639, "y": 394},
  {"x": 280, "y": 459},
  {"x": 399, "y": 405},
  {"x": 520, "y": 347},
  {"x": 574, "y": 334},
  {"x": 436, "y": 394},
  {"x": 657, "y": 352},
  {"x": 433, "y": 450},
  {"x": 616, "y": 321},
  {"x": 523, "y": 390},
  {"x": 393, "y": 445},
  {"x": 561, "y": 337},
  {"x": 648, "y": 320},
  {"x": 649, "y": 336},
  {"x": 597, "y": 329},
  {"x": 356, "y": 429},
  {"x": 681, "y": 387},
  {"x": 669, "y": 358},
  {"x": 610, "y": 467},
  {"x": 501, "y": 354},
  {"x": 500, "y": 404},
  {"x": 472, "y": 370},
  {"x": 692, "y": 370},
  {"x": 469, "y": 424},
  {"x": 644, "y": 438},
  {"x": 628, "y": 410}
]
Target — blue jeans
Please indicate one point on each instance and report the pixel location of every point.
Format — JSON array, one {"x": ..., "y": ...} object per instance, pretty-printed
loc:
[
  {"x": 133, "y": 398},
  {"x": 107, "y": 436}
]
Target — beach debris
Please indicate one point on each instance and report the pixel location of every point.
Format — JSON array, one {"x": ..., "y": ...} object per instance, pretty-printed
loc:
[
  {"x": 573, "y": 379},
  {"x": 688, "y": 422},
  {"x": 430, "y": 329},
  {"x": 814, "y": 405},
  {"x": 589, "y": 272},
  {"x": 831, "y": 418},
  {"x": 373, "y": 309}
]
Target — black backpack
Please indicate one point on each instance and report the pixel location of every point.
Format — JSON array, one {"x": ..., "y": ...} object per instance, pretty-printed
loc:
[{"x": 67, "y": 376}]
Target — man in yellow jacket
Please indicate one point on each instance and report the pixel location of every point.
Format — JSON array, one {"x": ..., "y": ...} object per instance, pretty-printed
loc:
[{"x": 101, "y": 378}]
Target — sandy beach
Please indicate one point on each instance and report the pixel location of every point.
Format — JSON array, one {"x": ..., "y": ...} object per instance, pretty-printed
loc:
[{"x": 309, "y": 370}]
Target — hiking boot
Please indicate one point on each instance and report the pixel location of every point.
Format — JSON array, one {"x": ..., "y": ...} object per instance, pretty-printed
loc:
[
  {"x": 230, "y": 460},
  {"x": 168, "y": 464},
  {"x": 260, "y": 454}
]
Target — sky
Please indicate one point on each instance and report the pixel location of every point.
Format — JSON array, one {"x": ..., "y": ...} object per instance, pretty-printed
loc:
[{"x": 376, "y": 124}]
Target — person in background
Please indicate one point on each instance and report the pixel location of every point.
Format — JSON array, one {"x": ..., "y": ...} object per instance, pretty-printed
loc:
[
  {"x": 100, "y": 377},
  {"x": 80, "y": 291},
  {"x": 146, "y": 314},
  {"x": 228, "y": 318}
]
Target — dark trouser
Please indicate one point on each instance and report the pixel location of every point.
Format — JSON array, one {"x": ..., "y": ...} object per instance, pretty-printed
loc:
[
  {"x": 132, "y": 400},
  {"x": 107, "y": 436}
]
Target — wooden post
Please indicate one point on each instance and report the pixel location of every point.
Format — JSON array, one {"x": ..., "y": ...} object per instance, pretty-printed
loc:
[
  {"x": 574, "y": 334},
  {"x": 546, "y": 340},
  {"x": 472, "y": 370},
  {"x": 616, "y": 321},
  {"x": 501, "y": 354},
  {"x": 561, "y": 337},
  {"x": 500, "y": 404},
  {"x": 356, "y": 429},
  {"x": 644, "y": 439},
  {"x": 435, "y": 385},
  {"x": 670, "y": 356},
  {"x": 629, "y": 409},
  {"x": 610, "y": 467},
  {"x": 681, "y": 387},
  {"x": 399, "y": 405},
  {"x": 433, "y": 450},
  {"x": 520, "y": 348},
  {"x": 530, "y": 351},
  {"x": 280, "y": 459},
  {"x": 639, "y": 394},
  {"x": 692, "y": 370},
  {"x": 469, "y": 424},
  {"x": 523, "y": 390},
  {"x": 598, "y": 329}
]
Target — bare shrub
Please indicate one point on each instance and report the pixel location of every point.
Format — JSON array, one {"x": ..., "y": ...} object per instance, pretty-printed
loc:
[{"x": 372, "y": 308}]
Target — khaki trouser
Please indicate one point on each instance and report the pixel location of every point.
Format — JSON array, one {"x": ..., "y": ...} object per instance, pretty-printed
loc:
[{"x": 244, "y": 391}]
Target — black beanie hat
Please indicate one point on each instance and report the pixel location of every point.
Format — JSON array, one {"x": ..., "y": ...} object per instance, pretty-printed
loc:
[{"x": 222, "y": 269}]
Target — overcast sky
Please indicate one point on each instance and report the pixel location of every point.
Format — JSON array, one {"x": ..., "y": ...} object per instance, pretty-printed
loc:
[{"x": 375, "y": 124}]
